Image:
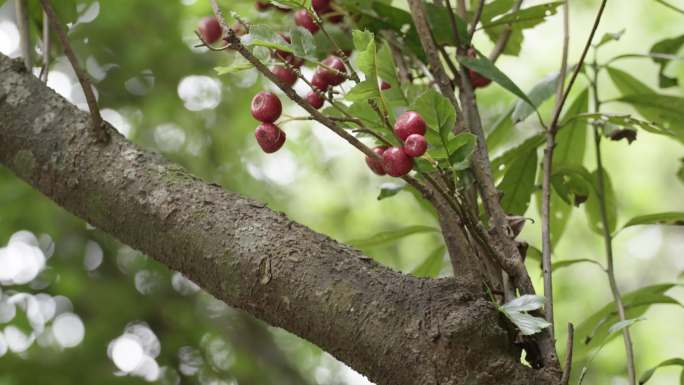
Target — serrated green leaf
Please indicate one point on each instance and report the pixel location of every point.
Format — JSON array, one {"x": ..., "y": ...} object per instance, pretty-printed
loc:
[
  {"x": 264, "y": 36},
  {"x": 366, "y": 90},
  {"x": 438, "y": 113},
  {"x": 487, "y": 69},
  {"x": 391, "y": 235},
  {"x": 518, "y": 183},
  {"x": 302, "y": 43},
  {"x": 432, "y": 265},
  {"x": 649, "y": 373}
]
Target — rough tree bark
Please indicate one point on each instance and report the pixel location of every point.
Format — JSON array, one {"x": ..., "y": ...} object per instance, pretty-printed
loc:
[{"x": 396, "y": 329}]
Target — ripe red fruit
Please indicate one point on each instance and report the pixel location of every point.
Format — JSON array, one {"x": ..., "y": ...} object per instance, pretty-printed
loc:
[
  {"x": 270, "y": 137},
  {"x": 415, "y": 145},
  {"x": 376, "y": 164},
  {"x": 395, "y": 162},
  {"x": 303, "y": 19},
  {"x": 408, "y": 123},
  {"x": 477, "y": 80},
  {"x": 319, "y": 80},
  {"x": 334, "y": 77},
  {"x": 288, "y": 77},
  {"x": 385, "y": 86},
  {"x": 315, "y": 99},
  {"x": 266, "y": 107},
  {"x": 321, "y": 6},
  {"x": 210, "y": 29},
  {"x": 262, "y": 6}
]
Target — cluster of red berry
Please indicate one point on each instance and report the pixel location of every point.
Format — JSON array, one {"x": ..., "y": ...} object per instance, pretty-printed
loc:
[
  {"x": 398, "y": 161},
  {"x": 266, "y": 108}
]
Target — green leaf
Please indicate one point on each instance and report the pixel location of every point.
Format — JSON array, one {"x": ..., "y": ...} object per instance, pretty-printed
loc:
[
  {"x": 502, "y": 131},
  {"x": 264, "y": 36},
  {"x": 423, "y": 165},
  {"x": 518, "y": 183},
  {"x": 537, "y": 95},
  {"x": 461, "y": 148},
  {"x": 526, "y": 302},
  {"x": 366, "y": 90},
  {"x": 236, "y": 66},
  {"x": 432, "y": 265},
  {"x": 293, "y": 3},
  {"x": 392, "y": 235},
  {"x": 302, "y": 43},
  {"x": 666, "y": 110},
  {"x": 626, "y": 83},
  {"x": 618, "y": 326},
  {"x": 365, "y": 58},
  {"x": 501, "y": 163},
  {"x": 570, "y": 262},
  {"x": 680, "y": 173},
  {"x": 437, "y": 112},
  {"x": 573, "y": 183},
  {"x": 667, "y": 46},
  {"x": 526, "y": 17},
  {"x": 389, "y": 190},
  {"x": 649, "y": 373},
  {"x": 595, "y": 327},
  {"x": 667, "y": 218},
  {"x": 592, "y": 207},
  {"x": 610, "y": 36},
  {"x": 487, "y": 69},
  {"x": 571, "y": 139}
]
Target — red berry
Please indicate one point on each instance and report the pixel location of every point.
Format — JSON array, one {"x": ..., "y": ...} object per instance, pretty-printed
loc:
[
  {"x": 415, "y": 145},
  {"x": 210, "y": 29},
  {"x": 270, "y": 137},
  {"x": 385, "y": 86},
  {"x": 315, "y": 99},
  {"x": 334, "y": 76},
  {"x": 266, "y": 107},
  {"x": 477, "y": 80},
  {"x": 395, "y": 162},
  {"x": 286, "y": 76},
  {"x": 376, "y": 164},
  {"x": 303, "y": 19},
  {"x": 321, "y": 6},
  {"x": 318, "y": 80},
  {"x": 262, "y": 6},
  {"x": 409, "y": 123}
]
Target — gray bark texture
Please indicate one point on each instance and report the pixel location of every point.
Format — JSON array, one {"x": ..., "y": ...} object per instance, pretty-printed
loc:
[{"x": 395, "y": 329}]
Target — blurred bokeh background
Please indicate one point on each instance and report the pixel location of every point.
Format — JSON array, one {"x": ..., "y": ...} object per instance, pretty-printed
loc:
[{"x": 100, "y": 312}]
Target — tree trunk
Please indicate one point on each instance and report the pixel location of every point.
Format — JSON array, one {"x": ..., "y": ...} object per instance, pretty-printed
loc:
[{"x": 396, "y": 329}]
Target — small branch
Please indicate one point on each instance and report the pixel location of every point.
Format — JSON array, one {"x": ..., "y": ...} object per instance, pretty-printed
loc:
[
  {"x": 98, "y": 127},
  {"x": 462, "y": 9},
  {"x": 546, "y": 183},
  {"x": 565, "y": 380},
  {"x": 454, "y": 26},
  {"x": 672, "y": 7},
  {"x": 501, "y": 44},
  {"x": 24, "y": 35},
  {"x": 46, "y": 48},
  {"x": 476, "y": 19}
]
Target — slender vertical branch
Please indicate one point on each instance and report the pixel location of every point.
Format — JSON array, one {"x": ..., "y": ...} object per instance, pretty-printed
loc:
[
  {"x": 46, "y": 48},
  {"x": 501, "y": 44},
  {"x": 461, "y": 9},
  {"x": 608, "y": 238},
  {"x": 567, "y": 370},
  {"x": 98, "y": 128},
  {"x": 547, "y": 172},
  {"x": 24, "y": 36},
  {"x": 476, "y": 19}
]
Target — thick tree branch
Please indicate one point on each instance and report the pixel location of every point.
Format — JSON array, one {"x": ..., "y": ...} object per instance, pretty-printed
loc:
[{"x": 253, "y": 258}]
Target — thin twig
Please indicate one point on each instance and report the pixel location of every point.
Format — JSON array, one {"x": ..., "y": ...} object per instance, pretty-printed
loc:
[
  {"x": 454, "y": 25},
  {"x": 476, "y": 20},
  {"x": 462, "y": 9},
  {"x": 236, "y": 45},
  {"x": 99, "y": 130},
  {"x": 24, "y": 35},
  {"x": 567, "y": 370},
  {"x": 46, "y": 49},
  {"x": 608, "y": 238},
  {"x": 546, "y": 183},
  {"x": 502, "y": 42},
  {"x": 670, "y": 6}
]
